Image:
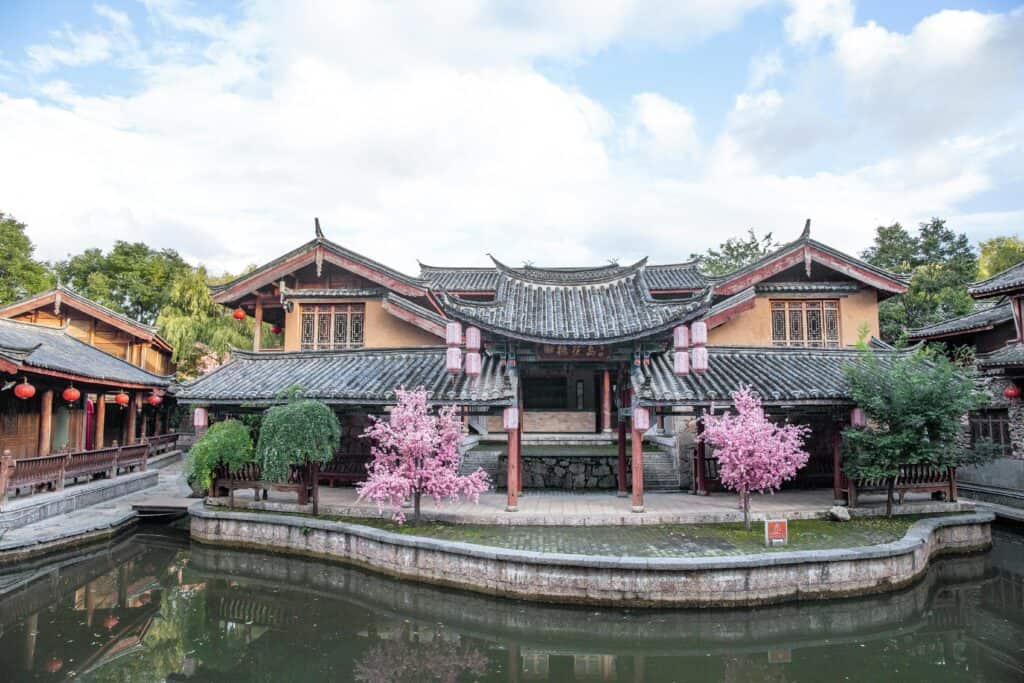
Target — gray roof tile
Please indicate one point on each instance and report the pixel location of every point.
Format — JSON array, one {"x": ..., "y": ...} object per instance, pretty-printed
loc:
[
  {"x": 673, "y": 276},
  {"x": 986, "y": 317},
  {"x": 1010, "y": 279},
  {"x": 1011, "y": 355}
]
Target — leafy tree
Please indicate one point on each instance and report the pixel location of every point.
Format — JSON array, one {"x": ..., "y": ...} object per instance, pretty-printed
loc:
[
  {"x": 227, "y": 443},
  {"x": 296, "y": 433},
  {"x": 736, "y": 252},
  {"x": 196, "y": 326},
  {"x": 941, "y": 264},
  {"x": 416, "y": 452},
  {"x": 131, "y": 278},
  {"x": 998, "y": 254},
  {"x": 754, "y": 453},
  {"x": 20, "y": 273},
  {"x": 915, "y": 404}
]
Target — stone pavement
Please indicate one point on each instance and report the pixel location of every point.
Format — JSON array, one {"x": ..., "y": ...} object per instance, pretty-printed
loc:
[
  {"x": 558, "y": 508},
  {"x": 89, "y": 522}
]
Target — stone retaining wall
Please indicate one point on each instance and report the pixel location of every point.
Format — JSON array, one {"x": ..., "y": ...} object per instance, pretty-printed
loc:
[
  {"x": 21, "y": 511},
  {"x": 624, "y": 581},
  {"x": 568, "y": 473}
]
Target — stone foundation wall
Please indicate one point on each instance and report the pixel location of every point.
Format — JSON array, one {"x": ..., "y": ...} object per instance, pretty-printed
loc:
[
  {"x": 642, "y": 581},
  {"x": 570, "y": 473},
  {"x": 18, "y": 512}
]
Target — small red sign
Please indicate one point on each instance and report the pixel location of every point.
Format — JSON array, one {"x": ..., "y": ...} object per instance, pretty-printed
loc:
[{"x": 776, "y": 532}]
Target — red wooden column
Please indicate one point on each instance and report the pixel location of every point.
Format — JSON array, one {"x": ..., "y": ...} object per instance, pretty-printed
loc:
[
  {"x": 623, "y": 487},
  {"x": 638, "y": 471},
  {"x": 257, "y": 334},
  {"x": 133, "y": 407},
  {"x": 101, "y": 421},
  {"x": 511, "y": 421},
  {"x": 838, "y": 487},
  {"x": 700, "y": 483},
  {"x": 45, "y": 422},
  {"x": 606, "y": 401}
]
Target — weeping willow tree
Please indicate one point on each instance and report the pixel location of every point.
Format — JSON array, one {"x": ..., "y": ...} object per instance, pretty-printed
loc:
[{"x": 200, "y": 330}]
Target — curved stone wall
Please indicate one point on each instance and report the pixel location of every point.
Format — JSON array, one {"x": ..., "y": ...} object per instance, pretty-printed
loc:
[{"x": 623, "y": 581}]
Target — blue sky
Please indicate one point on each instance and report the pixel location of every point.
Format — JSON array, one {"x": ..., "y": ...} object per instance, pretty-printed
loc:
[{"x": 557, "y": 132}]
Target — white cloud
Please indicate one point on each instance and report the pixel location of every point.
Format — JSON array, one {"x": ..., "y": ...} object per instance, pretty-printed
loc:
[
  {"x": 812, "y": 20},
  {"x": 765, "y": 67},
  {"x": 75, "y": 49},
  {"x": 662, "y": 128}
]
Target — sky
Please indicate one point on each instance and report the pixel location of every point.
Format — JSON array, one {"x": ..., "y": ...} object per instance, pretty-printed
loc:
[{"x": 559, "y": 132}]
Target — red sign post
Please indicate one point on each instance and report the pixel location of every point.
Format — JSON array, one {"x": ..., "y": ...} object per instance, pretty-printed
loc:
[{"x": 776, "y": 532}]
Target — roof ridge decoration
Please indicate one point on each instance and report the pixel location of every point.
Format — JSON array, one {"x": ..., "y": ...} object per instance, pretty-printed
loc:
[
  {"x": 978, "y": 320},
  {"x": 585, "y": 275}
]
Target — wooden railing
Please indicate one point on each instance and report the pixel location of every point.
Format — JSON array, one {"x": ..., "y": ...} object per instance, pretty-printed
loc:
[
  {"x": 50, "y": 472},
  {"x": 302, "y": 479}
]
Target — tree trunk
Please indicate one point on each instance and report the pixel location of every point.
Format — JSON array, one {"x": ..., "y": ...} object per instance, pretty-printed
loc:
[
  {"x": 416, "y": 508},
  {"x": 888, "y": 497},
  {"x": 745, "y": 498}
]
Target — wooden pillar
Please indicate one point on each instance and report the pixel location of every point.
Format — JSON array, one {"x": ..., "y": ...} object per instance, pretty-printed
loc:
[
  {"x": 157, "y": 422},
  {"x": 512, "y": 504},
  {"x": 700, "y": 483},
  {"x": 101, "y": 421},
  {"x": 638, "y": 471},
  {"x": 90, "y": 603},
  {"x": 6, "y": 472},
  {"x": 31, "y": 633},
  {"x": 519, "y": 450},
  {"x": 639, "y": 668},
  {"x": 838, "y": 489},
  {"x": 133, "y": 407},
  {"x": 45, "y": 422},
  {"x": 122, "y": 586},
  {"x": 623, "y": 486},
  {"x": 257, "y": 335},
  {"x": 606, "y": 401},
  {"x": 661, "y": 423},
  {"x": 515, "y": 663}
]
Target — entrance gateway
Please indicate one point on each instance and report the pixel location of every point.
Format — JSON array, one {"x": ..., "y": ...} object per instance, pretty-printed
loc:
[{"x": 572, "y": 369}]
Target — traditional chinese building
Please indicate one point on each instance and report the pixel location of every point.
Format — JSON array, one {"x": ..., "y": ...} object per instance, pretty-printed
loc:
[
  {"x": 588, "y": 356},
  {"x": 78, "y": 376},
  {"x": 995, "y": 332}
]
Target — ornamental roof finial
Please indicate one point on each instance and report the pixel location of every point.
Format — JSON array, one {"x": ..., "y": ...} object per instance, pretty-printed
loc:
[
  {"x": 807, "y": 230},
  {"x": 319, "y": 232}
]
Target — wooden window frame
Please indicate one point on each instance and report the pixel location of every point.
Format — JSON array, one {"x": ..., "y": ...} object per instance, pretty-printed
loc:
[
  {"x": 320, "y": 324},
  {"x": 991, "y": 423},
  {"x": 796, "y": 323}
]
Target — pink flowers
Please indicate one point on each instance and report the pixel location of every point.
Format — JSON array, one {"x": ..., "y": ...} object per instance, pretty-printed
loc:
[
  {"x": 416, "y": 452},
  {"x": 754, "y": 453}
]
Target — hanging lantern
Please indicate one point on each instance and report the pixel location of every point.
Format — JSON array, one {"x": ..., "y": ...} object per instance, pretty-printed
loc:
[
  {"x": 453, "y": 334},
  {"x": 453, "y": 360},
  {"x": 510, "y": 419},
  {"x": 238, "y": 314},
  {"x": 54, "y": 664},
  {"x": 472, "y": 338},
  {"x": 121, "y": 399},
  {"x": 858, "y": 418},
  {"x": 111, "y": 621},
  {"x": 699, "y": 358},
  {"x": 473, "y": 363},
  {"x": 641, "y": 419},
  {"x": 200, "y": 418},
  {"x": 276, "y": 329},
  {"x": 24, "y": 391},
  {"x": 1011, "y": 392},
  {"x": 154, "y": 400},
  {"x": 681, "y": 362},
  {"x": 681, "y": 337},
  {"x": 70, "y": 395},
  {"x": 699, "y": 333}
]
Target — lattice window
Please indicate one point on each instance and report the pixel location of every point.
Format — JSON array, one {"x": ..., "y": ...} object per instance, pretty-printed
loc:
[
  {"x": 992, "y": 424},
  {"x": 810, "y": 323},
  {"x": 328, "y": 327}
]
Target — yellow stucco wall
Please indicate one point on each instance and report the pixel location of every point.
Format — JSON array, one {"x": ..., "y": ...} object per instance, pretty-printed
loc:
[
  {"x": 753, "y": 327},
  {"x": 381, "y": 329}
]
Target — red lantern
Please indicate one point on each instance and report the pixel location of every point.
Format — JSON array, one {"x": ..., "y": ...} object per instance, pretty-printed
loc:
[
  {"x": 453, "y": 360},
  {"x": 641, "y": 419},
  {"x": 858, "y": 418},
  {"x": 681, "y": 362},
  {"x": 510, "y": 419},
  {"x": 239, "y": 314},
  {"x": 54, "y": 664},
  {"x": 121, "y": 399},
  {"x": 681, "y": 337},
  {"x": 473, "y": 363},
  {"x": 472, "y": 338},
  {"x": 154, "y": 400},
  {"x": 1011, "y": 392},
  {"x": 699, "y": 333},
  {"x": 699, "y": 358},
  {"x": 111, "y": 621},
  {"x": 276, "y": 329},
  {"x": 24, "y": 391},
  {"x": 453, "y": 334},
  {"x": 71, "y": 394}
]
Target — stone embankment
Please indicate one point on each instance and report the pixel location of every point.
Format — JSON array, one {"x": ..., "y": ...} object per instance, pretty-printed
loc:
[{"x": 764, "y": 578}]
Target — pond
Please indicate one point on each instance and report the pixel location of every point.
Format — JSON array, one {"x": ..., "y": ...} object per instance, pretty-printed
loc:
[{"x": 151, "y": 607}]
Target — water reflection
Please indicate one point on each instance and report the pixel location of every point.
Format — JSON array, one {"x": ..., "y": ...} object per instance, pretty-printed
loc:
[{"x": 151, "y": 607}]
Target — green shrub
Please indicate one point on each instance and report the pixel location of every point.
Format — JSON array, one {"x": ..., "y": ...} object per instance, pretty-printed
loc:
[
  {"x": 301, "y": 432},
  {"x": 225, "y": 443}
]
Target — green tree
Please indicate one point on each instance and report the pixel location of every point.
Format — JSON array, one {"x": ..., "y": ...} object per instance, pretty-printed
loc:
[
  {"x": 198, "y": 327},
  {"x": 227, "y": 443},
  {"x": 736, "y": 252},
  {"x": 940, "y": 262},
  {"x": 296, "y": 433},
  {"x": 998, "y": 254},
  {"x": 131, "y": 278},
  {"x": 20, "y": 273},
  {"x": 915, "y": 403}
]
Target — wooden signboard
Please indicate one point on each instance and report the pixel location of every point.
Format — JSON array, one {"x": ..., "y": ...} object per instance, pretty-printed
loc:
[{"x": 776, "y": 532}]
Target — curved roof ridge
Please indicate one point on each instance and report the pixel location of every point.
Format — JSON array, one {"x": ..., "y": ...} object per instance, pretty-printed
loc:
[{"x": 568, "y": 277}]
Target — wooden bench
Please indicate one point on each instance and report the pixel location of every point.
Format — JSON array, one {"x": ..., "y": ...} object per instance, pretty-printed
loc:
[
  {"x": 302, "y": 480},
  {"x": 164, "y": 443},
  {"x": 344, "y": 468},
  {"x": 91, "y": 464},
  {"x": 911, "y": 479},
  {"x": 31, "y": 473},
  {"x": 130, "y": 457}
]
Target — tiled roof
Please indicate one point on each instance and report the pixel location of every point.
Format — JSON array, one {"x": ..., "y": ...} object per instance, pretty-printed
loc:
[
  {"x": 778, "y": 375},
  {"x": 1011, "y": 355},
  {"x": 1010, "y": 279},
  {"x": 51, "y": 348},
  {"x": 673, "y": 276},
  {"x": 985, "y": 318},
  {"x": 612, "y": 305},
  {"x": 416, "y": 309},
  {"x": 333, "y": 293},
  {"x": 358, "y": 377},
  {"x": 807, "y": 287}
]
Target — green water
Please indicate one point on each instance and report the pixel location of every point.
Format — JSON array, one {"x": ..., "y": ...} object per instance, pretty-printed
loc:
[{"x": 152, "y": 607}]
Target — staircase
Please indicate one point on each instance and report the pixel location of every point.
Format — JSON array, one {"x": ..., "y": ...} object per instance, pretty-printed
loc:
[
  {"x": 484, "y": 458},
  {"x": 660, "y": 472}
]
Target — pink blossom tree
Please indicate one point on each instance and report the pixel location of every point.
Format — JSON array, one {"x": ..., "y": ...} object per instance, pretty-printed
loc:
[
  {"x": 754, "y": 453},
  {"x": 416, "y": 452}
]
